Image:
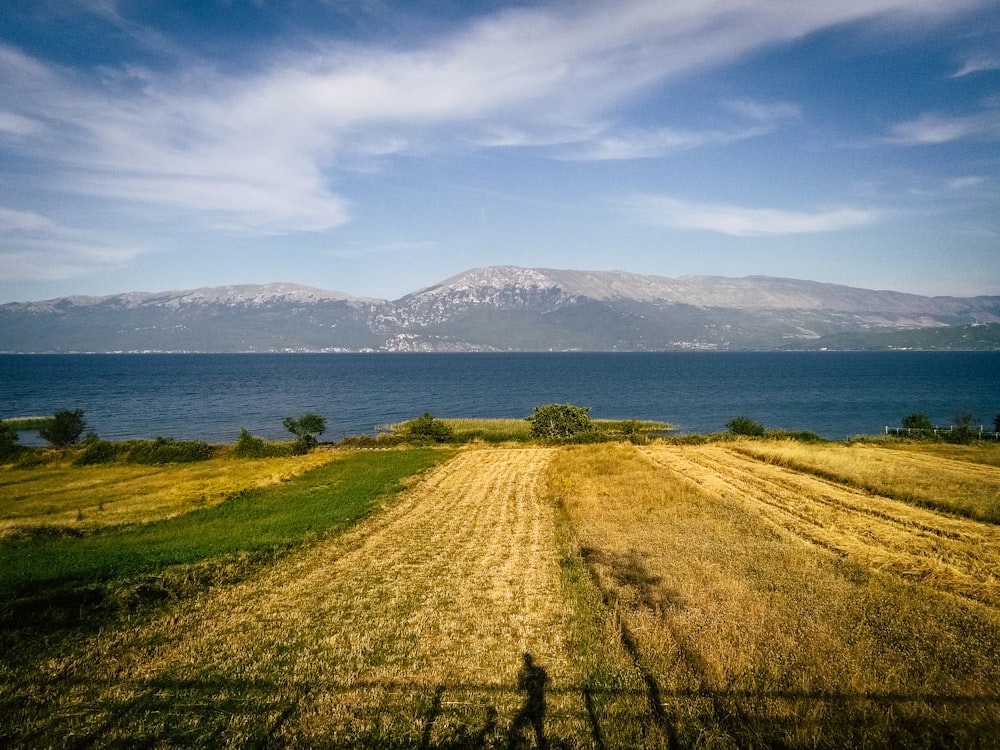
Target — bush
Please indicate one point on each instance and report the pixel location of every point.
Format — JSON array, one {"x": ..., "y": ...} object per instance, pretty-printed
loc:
[
  {"x": 148, "y": 452},
  {"x": 745, "y": 426},
  {"x": 918, "y": 421},
  {"x": 64, "y": 429},
  {"x": 8, "y": 441},
  {"x": 426, "y": 429},
  {"x": 251, "y": 446},
  {"x": 97, "y": 452},
  {"x": 305, "y": 429},
  {"x": 961, "y": 433},
  {"x": 167, "y": 451},
  {"x": 561, "y": 422}
]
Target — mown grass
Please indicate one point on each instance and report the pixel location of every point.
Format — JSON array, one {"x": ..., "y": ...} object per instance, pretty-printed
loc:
[
  {"x": 750, "y": 637},
  {"x": 958, "y": 479},
  {"x": 45, "y": 579}
]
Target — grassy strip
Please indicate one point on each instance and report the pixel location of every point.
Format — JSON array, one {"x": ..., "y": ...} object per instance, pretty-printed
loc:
[
  {"x": 38, "y": 575},
  {"x": 58, "y": 497},
  {"x": 27, "y": 423}
]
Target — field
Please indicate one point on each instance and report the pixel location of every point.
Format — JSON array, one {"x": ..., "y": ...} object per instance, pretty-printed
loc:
[{"x": 610, "y": 595}]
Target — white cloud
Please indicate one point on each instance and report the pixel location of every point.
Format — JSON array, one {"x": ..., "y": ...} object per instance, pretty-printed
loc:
[
  {"x": 978, "y": 64},
  {"x": 12, "y": 220},
  {"x": 965, "y": 183},
  {"x": 255, "y": 152},
  {"x": 934, "y": 129},
  {"x": 754, "y": 119},
  {"x": 33, "y": 247},
  {"x": 740, "y": 221}
]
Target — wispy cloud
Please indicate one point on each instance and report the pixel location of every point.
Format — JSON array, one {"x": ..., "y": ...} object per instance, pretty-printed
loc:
[
  {"x": 258, "y": 152},
  {"x": 753, "y": 119},
  {"x": 932, "y": 128},
  {"x": 33, "y": 247},
  {"x": 741, "y": 221},
  {"x": 978, "y": 64}
]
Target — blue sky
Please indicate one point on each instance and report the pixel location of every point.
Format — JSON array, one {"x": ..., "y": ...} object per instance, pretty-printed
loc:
[{"x": 377, "y": 147}]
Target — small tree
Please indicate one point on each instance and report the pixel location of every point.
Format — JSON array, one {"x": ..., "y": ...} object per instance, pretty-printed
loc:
[
  {"x": 65, "y": 428},
  {"x": 918, "y": 421},
  {"x": 996, "y": 423},
  {"x": 426, "y": 429},
  {"x": 305, "y": 429},
  {"x": 560, "y": 422},
  {"x": 745, "y": 426},
  {"x": 962, "y": 433}
]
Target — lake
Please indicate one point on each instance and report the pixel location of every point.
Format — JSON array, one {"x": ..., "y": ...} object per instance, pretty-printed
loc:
[{"x": 213, "y": 396}]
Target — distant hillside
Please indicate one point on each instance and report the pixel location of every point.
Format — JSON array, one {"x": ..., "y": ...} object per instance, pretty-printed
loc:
[{"x": 506, "y": 308}]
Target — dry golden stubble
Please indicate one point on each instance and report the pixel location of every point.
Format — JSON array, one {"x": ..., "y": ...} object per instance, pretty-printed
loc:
[
  {"x": 752, "y": 635},
  {"x": 413, "y": 623},
  {"x": 954, "y": 555},
  {"x": 964, "y": 479}
]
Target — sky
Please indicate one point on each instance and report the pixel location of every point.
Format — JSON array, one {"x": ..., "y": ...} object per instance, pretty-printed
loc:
[{"x": 377, "y": 147}]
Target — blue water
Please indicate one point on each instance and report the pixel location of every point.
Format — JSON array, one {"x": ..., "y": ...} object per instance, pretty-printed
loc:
[{"x": 212, "y": 396}]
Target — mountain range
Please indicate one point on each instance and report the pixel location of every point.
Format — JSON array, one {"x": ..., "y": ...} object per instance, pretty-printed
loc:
[{"x": 506, "y": 308}]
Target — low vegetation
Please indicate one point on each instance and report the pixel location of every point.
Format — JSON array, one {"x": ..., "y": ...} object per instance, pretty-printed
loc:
[
  {"x": 158, "y": 451},
  {"x": 729, "y": 591}
]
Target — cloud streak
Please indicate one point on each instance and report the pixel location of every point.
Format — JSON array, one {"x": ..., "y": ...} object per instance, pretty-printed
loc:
[
  {"x": 259, "y": 152},
  {"x": 932, "y": 129},
  {"x": 34, "y": 247},
  {"x": 741, "y": 221}
]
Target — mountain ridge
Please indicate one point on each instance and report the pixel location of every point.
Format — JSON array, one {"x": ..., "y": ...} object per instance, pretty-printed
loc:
[{"x": 503, "y": 308}]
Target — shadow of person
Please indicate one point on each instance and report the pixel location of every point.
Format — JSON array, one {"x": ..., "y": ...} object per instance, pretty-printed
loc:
[{"x": 531, "y": 679}]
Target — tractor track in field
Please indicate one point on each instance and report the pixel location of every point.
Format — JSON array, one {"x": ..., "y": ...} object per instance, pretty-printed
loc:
[{"x": 956, "y": 555}]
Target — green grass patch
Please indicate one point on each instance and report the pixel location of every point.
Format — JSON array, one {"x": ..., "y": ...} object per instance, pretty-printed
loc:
[
  {"x": 27, "y": 423},
  {"x": 490, "y": 430},
  {"x": 61, "y": 572}
]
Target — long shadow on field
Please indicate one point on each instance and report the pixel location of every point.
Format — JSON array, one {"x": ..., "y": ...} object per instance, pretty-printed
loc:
[
  {"x": 531, "y": 680},
  {"x": 270, "y": 714}
]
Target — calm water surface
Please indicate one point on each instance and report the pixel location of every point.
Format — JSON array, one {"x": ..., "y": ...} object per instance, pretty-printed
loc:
[{"x": 212, "y": 396}]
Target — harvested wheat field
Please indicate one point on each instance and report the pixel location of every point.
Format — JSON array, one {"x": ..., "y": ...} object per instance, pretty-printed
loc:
[
  {"x": 410, "y": 630},
  {"x": 772, "y": 608},
  {"x": 590, "y": 596}
]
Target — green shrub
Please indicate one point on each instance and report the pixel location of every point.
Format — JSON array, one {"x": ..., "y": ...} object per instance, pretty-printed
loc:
[
  {"x": 251, "y": 446},
  {"x": 918, "y": 421},
  {"x": 745, "y": 426},
  {"x": 64, "y": 429},
  {"x": 426, "y": 429},
  {"x": 147, "y": 452},
  {"x": 97, "y": 452},
  {"x": 561, "y": 422},
  {"x": 305, "y": 429},
  {"x": 8, "y": 441},
  {"x": 167, "y": 451}
]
